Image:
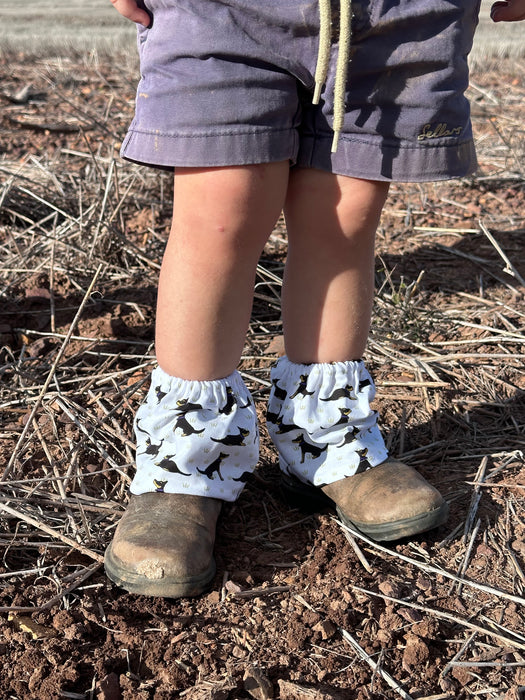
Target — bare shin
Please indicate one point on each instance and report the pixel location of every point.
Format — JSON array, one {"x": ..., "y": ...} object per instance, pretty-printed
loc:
[
  {"x": 222, "y": 219},
  {"x": 329, "y": 277}
]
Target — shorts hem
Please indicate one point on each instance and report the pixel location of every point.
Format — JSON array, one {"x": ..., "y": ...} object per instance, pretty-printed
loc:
[
  {"x": 372, "y": 159},
  {"x": 210, "y": 150},
  {"x": 364, "y": 158}
]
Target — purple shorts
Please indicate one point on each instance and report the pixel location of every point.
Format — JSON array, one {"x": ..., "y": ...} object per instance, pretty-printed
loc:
[{"x": 230, "y": 82}]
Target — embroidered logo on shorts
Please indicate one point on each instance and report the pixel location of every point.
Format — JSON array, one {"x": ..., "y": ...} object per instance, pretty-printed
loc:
[{"x": 438, "y": 131}]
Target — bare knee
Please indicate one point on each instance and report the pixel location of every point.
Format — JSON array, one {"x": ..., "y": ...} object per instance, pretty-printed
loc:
[
  {"x": 334, "y": 209},
  {"x": 228, "y": 210}
]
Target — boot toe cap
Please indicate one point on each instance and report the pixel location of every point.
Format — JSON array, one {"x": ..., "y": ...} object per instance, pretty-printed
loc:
[
  {"x": 388, "y": 502},
  {"x": 166, "y": 551}
]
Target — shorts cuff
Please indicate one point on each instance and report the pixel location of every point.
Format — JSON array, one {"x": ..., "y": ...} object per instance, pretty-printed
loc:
[
  {"x": 369, "y": 159},
  {"x": 210, "y": 150}
]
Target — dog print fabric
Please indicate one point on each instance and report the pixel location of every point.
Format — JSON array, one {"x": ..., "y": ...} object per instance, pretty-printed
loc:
[
  {"x": 201, "y": 437},
  {"x": 320, "y": 420},
  {"x": 193, "y": 437}
]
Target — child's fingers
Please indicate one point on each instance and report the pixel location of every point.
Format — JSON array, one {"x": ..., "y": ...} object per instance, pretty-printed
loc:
[
  {"x": 508, "y": 11},
  {"x": 130, "y": 10}
]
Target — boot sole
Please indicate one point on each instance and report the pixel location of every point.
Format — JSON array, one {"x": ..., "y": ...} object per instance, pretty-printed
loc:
[
  {"x": 311, "y": 499},
  {"x": 166, "y": 587}
]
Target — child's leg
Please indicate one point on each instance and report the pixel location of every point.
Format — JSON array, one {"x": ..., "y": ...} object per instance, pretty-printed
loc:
[
  {"x": 329, "y": 280},
  {"x": 319, "y": 410},
  {"x": 222, "y": 219},
  {"x": 197, "y": 431},
  {"x": 197, "y": 435}
]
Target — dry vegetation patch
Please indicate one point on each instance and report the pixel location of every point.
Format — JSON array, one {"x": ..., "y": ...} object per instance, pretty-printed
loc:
[{"x": 300, "y": 608}]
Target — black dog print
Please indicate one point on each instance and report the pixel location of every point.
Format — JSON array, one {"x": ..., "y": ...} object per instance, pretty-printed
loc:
[
  {"x": 137, "y": 423},
  {"x": 272, "y": 417},
  {"x": 214, "y": 467},
  {"x": 170, "y": 466},
  {"x": 230, "y": 440},
  {"x": 350, "y": 436},
  {"x": 244, "y": 477},
  {"x": 343, "y": 393},
  {"x": 363, "y": 453},
  {"x": 187, "y": 428},
  {"x": 151, "y": 448},
  {"x": 343, "y": 420},
  {"x": 363, "y": 383},
  {"x": 301, "y": 389},
  {"x": 278, "y": 392},
  {"x": 159, "y": 393},
  {"x": 185, "y": 406},
  {"x": 159, "y": 485},
  {"x": 308, "y": 448},
  {"x": 231, "y": 402},
  {"x": 285, "y": 427}
]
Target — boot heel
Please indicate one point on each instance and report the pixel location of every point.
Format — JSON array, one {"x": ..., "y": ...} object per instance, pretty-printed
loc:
[{"x": 308, "y": 499}]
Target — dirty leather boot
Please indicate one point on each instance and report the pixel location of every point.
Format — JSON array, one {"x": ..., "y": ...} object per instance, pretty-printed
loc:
[
  {"x": 163, "y": 545},
  {"x": 386, "y": 502}
]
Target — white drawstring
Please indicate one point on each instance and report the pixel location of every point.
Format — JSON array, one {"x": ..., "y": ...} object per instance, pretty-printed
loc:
[
  {"x": 323, "y": 53},
  {"x": 341, "y": 72},
  {"x": 343, "y": 55}
]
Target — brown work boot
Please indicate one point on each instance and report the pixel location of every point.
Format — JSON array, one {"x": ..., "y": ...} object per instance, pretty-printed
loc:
[
  {"x": 163, "y": 545},
  {"x": 386, "y": 502}
]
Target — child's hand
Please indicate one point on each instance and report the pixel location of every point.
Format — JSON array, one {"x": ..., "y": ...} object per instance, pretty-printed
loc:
[
  {"x": 131, "y": 10},
  {"x": 508, "y": 11}
]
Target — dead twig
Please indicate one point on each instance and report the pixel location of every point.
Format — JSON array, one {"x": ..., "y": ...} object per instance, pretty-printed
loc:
[
  {"x": 50, "y": 376},
  {"x": 511, "y": 638},
  {"x": 390, "y": 680},
  {"x": 358, "y": 552},
  {"x": 83, "y": 575},
  {"x": 476, "y": 497},
  {"x": 433, "y": 569},
  {"x": 51, "y": 531},
  {"x": 509, "y": 267},
  {"x": 377, "y": 669},
  {"x": 258, "y": 592}
]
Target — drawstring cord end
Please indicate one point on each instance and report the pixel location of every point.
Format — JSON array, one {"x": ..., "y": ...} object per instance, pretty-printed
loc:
[
  {"x": 335, "y": 140},
  {"x": 317, "y": 92},
  {"x": 343, "y": 57}
]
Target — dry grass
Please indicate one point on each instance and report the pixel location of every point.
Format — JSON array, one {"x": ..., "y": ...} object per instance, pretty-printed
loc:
[
  {"x": 46, "y": 28},
  {"x": 496, "y": 41}
]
